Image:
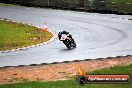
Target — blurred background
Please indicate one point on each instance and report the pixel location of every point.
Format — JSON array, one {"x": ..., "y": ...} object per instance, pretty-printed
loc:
[{"x": 101, "y": 6}]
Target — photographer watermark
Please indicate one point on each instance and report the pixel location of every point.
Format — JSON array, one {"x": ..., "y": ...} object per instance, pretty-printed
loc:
[{"x": 83, "y": 78}]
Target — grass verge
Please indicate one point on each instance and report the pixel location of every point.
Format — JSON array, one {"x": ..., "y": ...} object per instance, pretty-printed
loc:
[
  {"x": 4, "y": 4},
  {"x": 121, "y": 5},
  {"x": 72, "y": 83},
  {"x": 14, "y": 35}
]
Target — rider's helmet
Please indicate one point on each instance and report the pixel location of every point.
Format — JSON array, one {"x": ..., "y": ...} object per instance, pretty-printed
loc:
[{"x": 60, "y": 32}]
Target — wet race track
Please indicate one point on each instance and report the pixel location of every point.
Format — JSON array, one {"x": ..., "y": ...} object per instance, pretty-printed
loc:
[{"x": 96, "y": 35}]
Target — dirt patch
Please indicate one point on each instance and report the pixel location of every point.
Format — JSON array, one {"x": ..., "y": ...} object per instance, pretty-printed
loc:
[{"x": 57, "y": 71}]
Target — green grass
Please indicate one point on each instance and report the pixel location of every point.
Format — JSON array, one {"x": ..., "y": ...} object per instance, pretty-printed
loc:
[
  {"x": 72, "y": 83},
  {"x": 121, "y": 5},
  {"x": 4, "y": 4},
  {"x": 14, "y": 35},
  {"x": 122, "y": 1}
]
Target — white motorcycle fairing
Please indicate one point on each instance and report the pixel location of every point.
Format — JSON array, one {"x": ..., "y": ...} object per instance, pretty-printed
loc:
[{"x": 63, "y": 37}]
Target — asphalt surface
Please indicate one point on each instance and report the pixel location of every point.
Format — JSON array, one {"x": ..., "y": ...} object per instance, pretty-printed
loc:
[{"x": 96, "y": 35}]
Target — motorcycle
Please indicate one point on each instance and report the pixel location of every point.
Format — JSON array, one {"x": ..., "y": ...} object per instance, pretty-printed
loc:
[{"x": 69, "y": 42}]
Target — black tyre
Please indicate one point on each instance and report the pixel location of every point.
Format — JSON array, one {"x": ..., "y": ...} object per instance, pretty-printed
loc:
[
  {"x": 74, "y": 45},
  {"x": 81, "y": 80},
  {"x": 68, "y": 46}
]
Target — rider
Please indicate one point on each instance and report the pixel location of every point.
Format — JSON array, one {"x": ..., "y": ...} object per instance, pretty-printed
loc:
[{"x": 67, "y": 39}]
